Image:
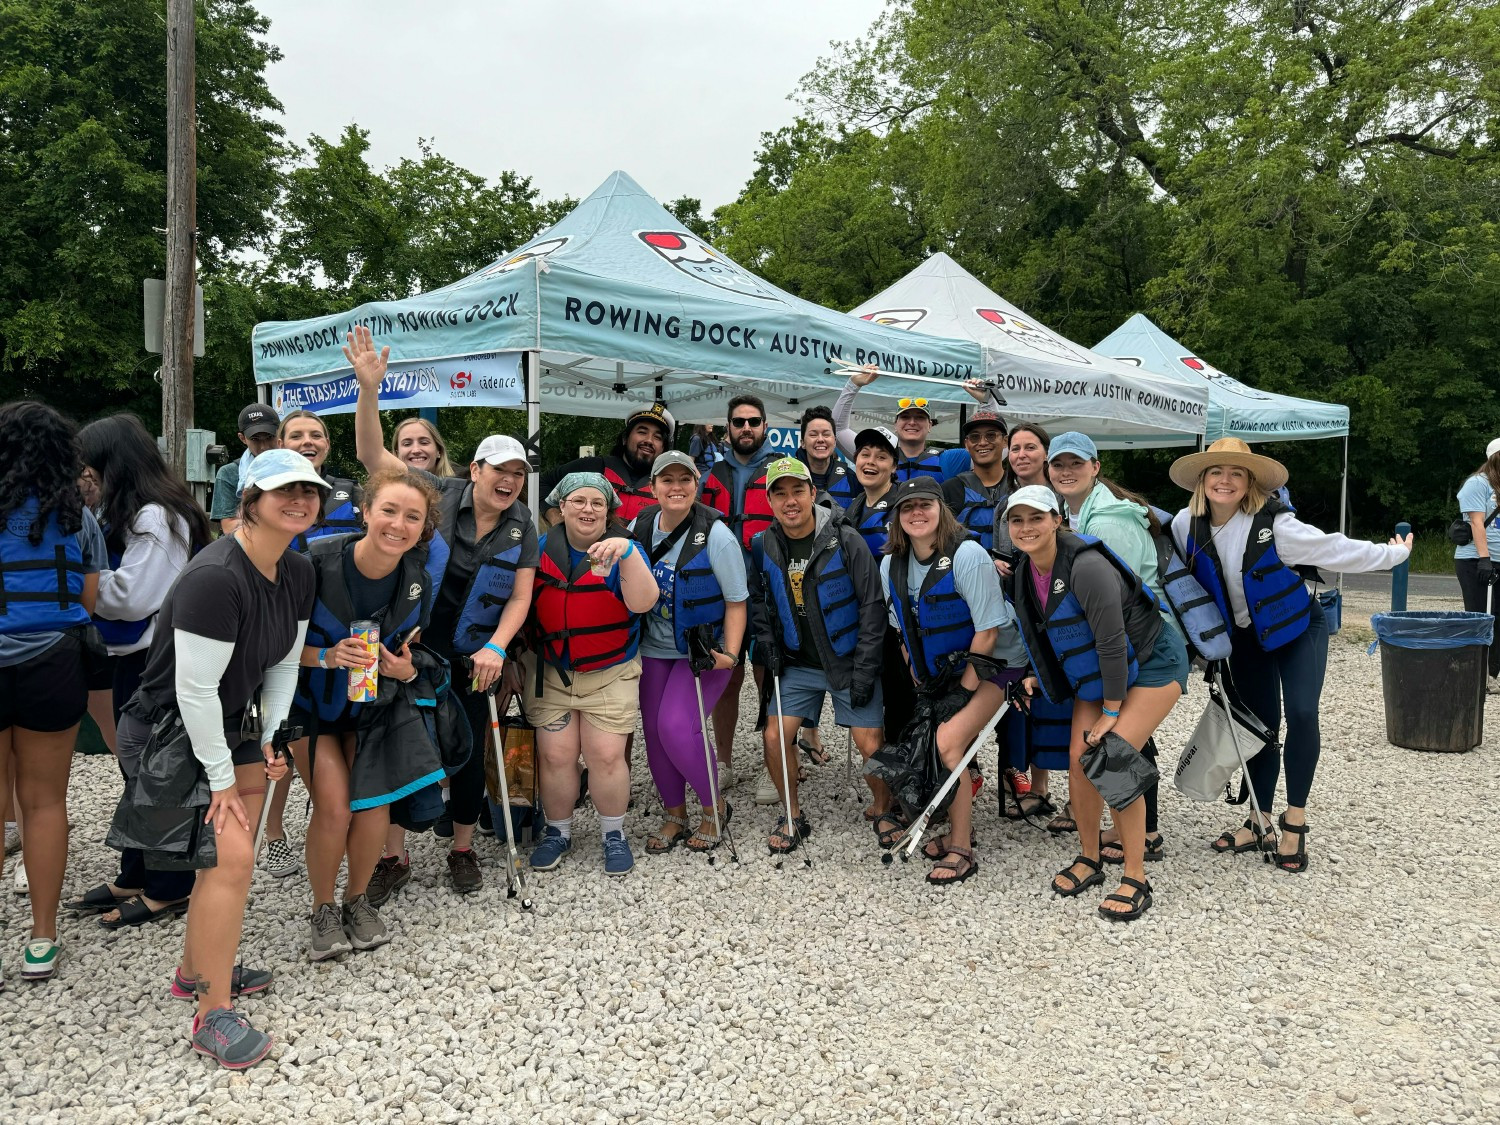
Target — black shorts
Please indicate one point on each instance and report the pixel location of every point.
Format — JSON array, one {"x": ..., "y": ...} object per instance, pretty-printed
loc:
[
  {"x": 100, "y": 673},
  {"x": 344, "y": 724},
  {"x": 49, "y": 692},
  {"x": 247, "y": 753}
]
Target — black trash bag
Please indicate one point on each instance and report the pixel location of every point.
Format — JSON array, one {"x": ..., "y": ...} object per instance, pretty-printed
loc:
[
  {"x": 409, "y": 735},
  {"x": 1118, "y": 770},
  {"x": 162, "y": 809}
]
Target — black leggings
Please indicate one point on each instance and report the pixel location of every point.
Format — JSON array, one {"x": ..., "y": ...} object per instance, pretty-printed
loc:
[
  {"x": 466, "y": 787},
  {"x": 1475, "y": 594}
]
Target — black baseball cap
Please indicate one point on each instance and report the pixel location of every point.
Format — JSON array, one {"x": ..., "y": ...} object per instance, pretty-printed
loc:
[
  {"x": 921, "y": 487},
  {"x": 984, "y": 416},
  {"x": 258, "y": 418}
]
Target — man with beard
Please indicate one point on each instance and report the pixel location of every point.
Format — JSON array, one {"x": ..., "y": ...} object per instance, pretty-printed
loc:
[
  {"x": 647, "y": 435},
  {"x": 736, "y": 488}
]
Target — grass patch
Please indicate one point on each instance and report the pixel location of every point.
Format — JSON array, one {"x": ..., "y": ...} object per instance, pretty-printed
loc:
[{"x": 1432, "y": 554}]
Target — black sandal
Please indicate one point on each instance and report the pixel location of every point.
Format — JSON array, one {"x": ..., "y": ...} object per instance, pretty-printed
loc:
[
  {"x": 1078, "y": 885},
  {"x": 1063, "y": 823},
  {"x": 1139, "y": 901},
  {"x": 815, "y": 754},
  {"x": 100, "y": 900},
  {"x": 962, "y": 867},
  {"x": 888, "y": 836},
  {"x": 1226, "y": 844},
  {"x": 1026, "y": 806},
  {"x": 1297, "y": 861},
  {"x": 135, "y": 912},
  {"x": 801, "y": 830},
  {"x": 1154, "y": 849}
]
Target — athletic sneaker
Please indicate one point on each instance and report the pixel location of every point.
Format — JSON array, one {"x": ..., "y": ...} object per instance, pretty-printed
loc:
[
  {"x": 363, "y": 924},
  {"x": 23, "y": 884},
  {"x": 328, "y": 937},
  {"x": 765, "y": 789},
  {"x": 617, "y": 857},
  {"x": 245, "y": 982},
  {"x": 12, "y": 837},
  {"x": 227, "y": 1037},
  {"x": 42, "y": 955},
  {"x": 463, "y": 869},
  {"x": 391, "y": 874},
  {"x": 280, "y": 860},
  {"x": 548, "y": 854}
]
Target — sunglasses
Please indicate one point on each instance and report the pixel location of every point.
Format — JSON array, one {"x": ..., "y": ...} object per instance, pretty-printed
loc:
[
  {"x": 744, "y": 423},
  {"x": 913, "y": 404}
]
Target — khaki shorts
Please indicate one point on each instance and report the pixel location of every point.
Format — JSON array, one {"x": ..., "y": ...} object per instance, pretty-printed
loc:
[{"x": 610, "y": 698}]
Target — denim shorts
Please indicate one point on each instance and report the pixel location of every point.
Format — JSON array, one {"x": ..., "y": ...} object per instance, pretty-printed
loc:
[
  {"x": 1168, "y": 660},
  {"x": 802, "y": 691}
]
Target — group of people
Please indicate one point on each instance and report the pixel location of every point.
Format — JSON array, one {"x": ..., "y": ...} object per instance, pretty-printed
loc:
[{"x": 903, "y": 583}]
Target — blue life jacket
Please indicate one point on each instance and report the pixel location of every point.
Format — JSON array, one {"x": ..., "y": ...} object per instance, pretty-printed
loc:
[
  {"x": 1278, "y": 602},
  {"x": 942, "y": 623},
  {"x": 827, "y": 591},
  {"x": 1049, "y": 733},
  {"x": 325, "y": 691},
  {"x": 930, "y": 463},
  {"x": 839, "y": 482},
  {"x": 870, "y": 522},
  {"x": 978, "y": 511},
  {"x": 1203, "y": 625},
  {"x": 494, "y": 578},
  {"x": 41, "y": 586},
  {"x": 691, "y": 591},
  {"x": 1057, "y": 636},
  {"x": 340, "y": 515},
  {"x": 121, "y": 633}
]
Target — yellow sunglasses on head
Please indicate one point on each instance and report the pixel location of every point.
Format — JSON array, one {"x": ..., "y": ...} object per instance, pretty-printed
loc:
[{"x": 909, "y": 403}]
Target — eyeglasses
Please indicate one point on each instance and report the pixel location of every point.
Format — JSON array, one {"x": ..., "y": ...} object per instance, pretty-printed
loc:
[
  {"x": 913, "y": 404},
  {"x": 585, "y": 505},
  {"x": 746, "y": 423}
]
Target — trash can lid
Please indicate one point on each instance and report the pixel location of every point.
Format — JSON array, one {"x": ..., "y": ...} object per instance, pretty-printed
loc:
[{"x": 1430, "y": 629}]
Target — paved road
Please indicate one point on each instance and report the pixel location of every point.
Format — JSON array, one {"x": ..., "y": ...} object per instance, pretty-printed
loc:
[{"x": 1419, "y": 585}]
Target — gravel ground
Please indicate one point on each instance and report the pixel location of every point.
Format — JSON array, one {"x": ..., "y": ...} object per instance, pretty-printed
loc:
[{"x": 1367, "y": 989}]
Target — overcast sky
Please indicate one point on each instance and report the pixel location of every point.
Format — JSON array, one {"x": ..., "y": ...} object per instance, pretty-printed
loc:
[{"x": 675, "y": 92}]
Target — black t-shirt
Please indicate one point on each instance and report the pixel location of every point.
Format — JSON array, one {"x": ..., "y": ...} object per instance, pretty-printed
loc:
[
  {"x": 463, "y": 559},
  {"x": 222, "y": 596},
  {"x": 368, "y": 596},
  {"x": 798, "y": 554}
]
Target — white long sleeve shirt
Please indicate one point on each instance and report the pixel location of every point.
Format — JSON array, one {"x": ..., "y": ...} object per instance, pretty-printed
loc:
[{"x": 155, "y": 554}]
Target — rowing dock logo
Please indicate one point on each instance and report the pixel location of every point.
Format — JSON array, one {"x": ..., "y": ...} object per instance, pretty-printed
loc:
[
  {"x": 904, "y": 319},
  {"x": 1058, "y": 585},
  {"x": 700, "y": 260},
  {"x": 541, "y": 251},
  {"x": 1221, "y": 380},
  {"x": 1265, "y": 535},
  {"x": 1033, "y": 336}
]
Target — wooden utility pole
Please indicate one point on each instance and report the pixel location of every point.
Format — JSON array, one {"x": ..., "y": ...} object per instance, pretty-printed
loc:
[{"x": 182, "y": 234}]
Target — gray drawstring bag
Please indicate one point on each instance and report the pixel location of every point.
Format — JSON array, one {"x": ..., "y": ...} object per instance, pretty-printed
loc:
[{"x": 1118, "y": 770}]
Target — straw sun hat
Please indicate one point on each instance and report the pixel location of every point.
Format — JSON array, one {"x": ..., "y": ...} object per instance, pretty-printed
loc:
[{"x": 1270, "y": 473}]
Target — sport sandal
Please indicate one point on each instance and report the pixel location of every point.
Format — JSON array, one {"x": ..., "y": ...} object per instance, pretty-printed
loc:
[
  {"x": 1076, "y": 885},
  {"x": 960, "y": 864},
  {"x": 1139, "y": 900},
  {"x": 1294, "y": 861},
  {"x": 1259, "y": 834},
  {"x": 661, "y": 843}
]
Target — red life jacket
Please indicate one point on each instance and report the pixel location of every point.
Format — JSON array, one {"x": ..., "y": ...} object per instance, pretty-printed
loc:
[
  {"x": 633, "y": 498},
  {"x": 754, "y": 514},
  {"x": 579, "y": 624}
]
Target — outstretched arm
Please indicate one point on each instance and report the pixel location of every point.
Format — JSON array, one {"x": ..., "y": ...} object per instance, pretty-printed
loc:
[
  {"x": 369, "y": 369},
  {"x": 844, "y": 406}
]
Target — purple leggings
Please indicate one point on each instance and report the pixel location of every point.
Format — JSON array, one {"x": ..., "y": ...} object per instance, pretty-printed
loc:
[{"x": 674, "y": 736}]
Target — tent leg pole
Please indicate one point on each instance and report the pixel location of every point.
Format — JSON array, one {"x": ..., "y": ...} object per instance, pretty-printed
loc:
[
  {"x": 1344, "y": 504},
  {"x": 531, "y": 367}
]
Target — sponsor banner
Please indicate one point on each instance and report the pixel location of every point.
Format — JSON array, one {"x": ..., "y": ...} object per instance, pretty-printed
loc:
[{"x": 489, "y": 379}]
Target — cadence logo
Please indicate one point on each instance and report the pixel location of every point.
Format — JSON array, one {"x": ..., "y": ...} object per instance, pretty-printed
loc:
[{"x": 699, "y": 260}]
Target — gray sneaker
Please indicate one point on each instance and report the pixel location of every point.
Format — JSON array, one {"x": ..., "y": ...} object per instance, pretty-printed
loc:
[
  {"x": 363, "y": 924},
  {"x": 280, "y": 860},
  {"x": 391, "y": 874},
  {"x": 328, "y": 937},
  {"x": 227, "y": 1037}
]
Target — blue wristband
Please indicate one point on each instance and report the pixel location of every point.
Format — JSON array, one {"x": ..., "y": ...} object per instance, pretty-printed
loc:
[
  {"x": 496, "y": 649},
  {"x": 629, "y": 550},
  {"x": 1111, "y": 714}
]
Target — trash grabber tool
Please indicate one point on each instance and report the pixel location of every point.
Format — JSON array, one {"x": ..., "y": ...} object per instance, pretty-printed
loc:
[
  {"x": 793, "y": 832},
  {"x": 515, "y": 877},
  {"x": 912, "y": 838}
]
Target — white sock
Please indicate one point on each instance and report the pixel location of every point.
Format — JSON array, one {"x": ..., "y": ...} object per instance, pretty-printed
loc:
[
  {"x": 563, "y": 826},
  {"x": 608, "y": 824}
]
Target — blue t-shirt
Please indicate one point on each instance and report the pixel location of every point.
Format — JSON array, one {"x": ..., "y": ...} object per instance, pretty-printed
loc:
[
  {"x": 21, "y": 647},
  {"x": 978, "y": 584},
  {"x": 727, "y": 559},
  {"x": 1476, "y": 495}
]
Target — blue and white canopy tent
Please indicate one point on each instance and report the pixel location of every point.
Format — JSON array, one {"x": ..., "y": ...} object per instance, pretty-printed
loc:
[
  {"x": 1235, "y": 409},
  {"x": 611, "y": 308},
  {"x": 1044, "y": 376}
]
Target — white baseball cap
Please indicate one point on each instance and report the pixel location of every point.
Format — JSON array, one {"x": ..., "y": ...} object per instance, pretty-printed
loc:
[
  {"x": 497, "y": 449},
  {"x": 276, "y": 468},
  {"x": 1037, "y": 496},
  {"x": 1492, "y": 449}
]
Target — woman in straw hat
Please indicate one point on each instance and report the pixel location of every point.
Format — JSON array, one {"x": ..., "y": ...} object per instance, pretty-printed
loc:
[{"x": 1247, "y": 549}]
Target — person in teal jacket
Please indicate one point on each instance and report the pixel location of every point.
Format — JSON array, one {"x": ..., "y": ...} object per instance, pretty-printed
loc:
[{"x": 1099, "y": 507}]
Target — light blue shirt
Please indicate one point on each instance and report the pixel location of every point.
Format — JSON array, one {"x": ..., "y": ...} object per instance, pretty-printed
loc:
[
  {"x": 1476, "y": 495},
  {"x": 978, "y": 584},
  {"x": 728, "y": 562}
]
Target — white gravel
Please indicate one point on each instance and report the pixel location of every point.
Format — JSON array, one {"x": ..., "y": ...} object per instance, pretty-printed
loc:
[{"x": 1366, "y": 989}]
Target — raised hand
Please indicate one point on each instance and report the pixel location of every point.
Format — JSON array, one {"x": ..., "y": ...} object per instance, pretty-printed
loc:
[{"x": 369, "y": 365}]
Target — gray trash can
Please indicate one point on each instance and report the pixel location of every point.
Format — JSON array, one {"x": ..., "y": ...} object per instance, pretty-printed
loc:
[{"x": 1432, "y": 672}]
